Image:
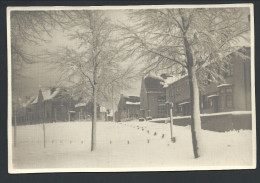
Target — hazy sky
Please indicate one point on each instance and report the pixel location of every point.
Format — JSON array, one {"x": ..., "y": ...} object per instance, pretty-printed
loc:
[{"x": 41, "y": 74}]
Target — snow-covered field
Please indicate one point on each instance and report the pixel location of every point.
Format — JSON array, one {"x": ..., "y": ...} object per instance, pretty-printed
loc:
[{"x": 128, "y": 145}]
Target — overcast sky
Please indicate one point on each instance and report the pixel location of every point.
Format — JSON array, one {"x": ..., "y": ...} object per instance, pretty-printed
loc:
[{"x": 41, "y": 74}]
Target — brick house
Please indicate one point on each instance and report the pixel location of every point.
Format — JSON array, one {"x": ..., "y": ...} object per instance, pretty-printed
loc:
[
  {"x": 233, "y": 95},
  {"x": 50, "y": 105},
  {"x": 152, "y": 97},
  {"x": 128, "y": 108}
]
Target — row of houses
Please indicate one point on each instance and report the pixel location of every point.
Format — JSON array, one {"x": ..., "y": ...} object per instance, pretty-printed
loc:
[
  {"x": 53, "y": 105},
  {"x": 232, "y": 95},
  {"x": 56, "y": 104}
]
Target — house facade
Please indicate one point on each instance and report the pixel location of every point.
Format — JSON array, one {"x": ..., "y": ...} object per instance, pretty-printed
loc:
[
  {"x": 233, "y": 95},
  {"x": 50, "y": 105},
  {"x": 128, "y": 108},
  {"x": 152, "y": 97},
  {"x": 84, "y": 111}
]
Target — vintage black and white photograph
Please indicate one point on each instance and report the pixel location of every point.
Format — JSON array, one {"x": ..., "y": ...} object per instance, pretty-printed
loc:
[{"x": 131, "y": 88}]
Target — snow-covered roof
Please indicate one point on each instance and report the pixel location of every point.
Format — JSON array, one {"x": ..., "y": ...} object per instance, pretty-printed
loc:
[
  {"x": 162, "y": 104},
  {"x": 184, "y": 103},
  {"x": 223, "y": 85},
  {"x": 154, "y": 77},
  {"x": 124, "y": 96},
  {"x": 47, "y": 94},
  {"x": 103, "y": 109},
  {"x": 35, "y": 100},
  {"x": 132, "y": 103},
  {"x": 26, "y": 103},
  {"x": 171, "y": 80},
  {"x": 81, "y": 104},
  {"x": 210, "y": 96}
]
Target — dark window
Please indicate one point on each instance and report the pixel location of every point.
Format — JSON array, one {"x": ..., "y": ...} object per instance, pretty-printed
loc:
[
  {"x": 161, "y": 109},
  {"x": 209, "y": 77},
  {"x": 178, "y": 108},
  {"x": 210, "y": 102},
  {"x": 161, "y": 98},
  {"x": 226, "y": 97},
  {"x": 222, "y": 91},
  {"x": 229, "y": 97},
  {"x": 204, "y": 102},
  {"x": 229, "y": 90},
  {"x": 229, "y": 101},
  {"x": 221, "y": 101},
  {"x": 229, "y": 70}
]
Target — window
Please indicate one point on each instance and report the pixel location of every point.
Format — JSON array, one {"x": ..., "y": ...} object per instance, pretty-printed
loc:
[
  {"x": 204, "y": 102},
  {"x": 210, "y": 102},
  {"x": 229, "y": 70},
  {"x": 208, "y": 80},
  {"x": 229, "y": 101},
  {"x": 226, "y": 97},
  {"x": 178, "y": 108},
  {"x": 173, "y": 88},
  {"x": 161, "y": 98},
  {"x": 229, "y": 90},
  {"x": 161, "y": 109},
  {"x": 229, "y": 97},
  {"x": 221, "y": 101}
]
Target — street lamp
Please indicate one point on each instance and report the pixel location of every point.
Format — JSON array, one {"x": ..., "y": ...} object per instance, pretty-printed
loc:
[{"x": 169, "y": 106}]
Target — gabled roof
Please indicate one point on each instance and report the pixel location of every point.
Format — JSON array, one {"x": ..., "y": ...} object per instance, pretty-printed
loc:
[
  {"x": 243, "y": 50},
  {"x": 47, "y": 94},
  {"x": 50, "y": 93},
  {"x": 154, "y": 77},
  {"x": 29, "y": 101}
]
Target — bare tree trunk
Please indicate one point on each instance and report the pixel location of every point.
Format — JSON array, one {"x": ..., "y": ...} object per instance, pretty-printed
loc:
[
  {"x": 113, "y": 104},
  {"x": 195, "y": 113},
  {"x": 194, "y": 97},
  {"x": 94, "y": 120}
]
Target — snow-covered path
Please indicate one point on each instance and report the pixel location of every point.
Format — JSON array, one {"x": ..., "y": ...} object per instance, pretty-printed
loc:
[{"x": 128, "y": 145}]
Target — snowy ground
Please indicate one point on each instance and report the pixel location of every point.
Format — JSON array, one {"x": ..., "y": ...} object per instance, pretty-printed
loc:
[{"x": 128, "y": 145}]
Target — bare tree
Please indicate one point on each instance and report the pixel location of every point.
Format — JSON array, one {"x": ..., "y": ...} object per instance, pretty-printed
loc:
[
  {"x": 29, "y": 28},
  {"x": 92, "y": 65},
  {"x": 194, "y": 40}
]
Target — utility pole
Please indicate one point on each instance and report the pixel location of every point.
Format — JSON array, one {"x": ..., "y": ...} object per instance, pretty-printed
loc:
[
  {"x": 113, "y": 103},
  {"x": 44, "y": 143},
  {"x": 171, "y": 121},
  {"x": 170, "y": 107}
]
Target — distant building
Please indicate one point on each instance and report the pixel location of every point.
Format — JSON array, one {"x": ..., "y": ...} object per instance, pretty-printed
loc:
[
  {"x": 84, "y": 111},
  {"x": 152, "y": 97},
  {"x": 128, "y": 108},
  {"x": 50, "y": 105}
]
